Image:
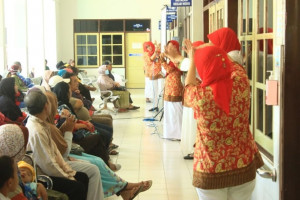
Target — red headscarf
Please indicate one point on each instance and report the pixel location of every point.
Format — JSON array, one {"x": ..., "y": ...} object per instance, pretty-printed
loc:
[
  {"x": 270, "y": 41},
  {"x": 215, "y": 69},
  {"x": 197, "y": 43},
  {"x": 146, "y": 44},
  {"x": 226, "y": 39},
  {"x": 175, "y": 43}
]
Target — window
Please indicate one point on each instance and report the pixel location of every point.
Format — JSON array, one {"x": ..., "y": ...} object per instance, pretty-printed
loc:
[
  {"x": 112, "y": 48},
  {"x": 86, "y": 26},
  {"x": 86, "y": 49},
  {"x": 111, "y": 26},
  {"x": 257, "y": 48}
]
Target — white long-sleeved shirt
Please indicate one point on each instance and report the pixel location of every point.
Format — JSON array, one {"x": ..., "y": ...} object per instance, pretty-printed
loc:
[{"x": 45, "y": 152}]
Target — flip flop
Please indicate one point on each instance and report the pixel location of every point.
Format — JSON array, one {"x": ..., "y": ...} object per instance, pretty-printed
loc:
[
  {"x": 112, "y": 147},
  {"x": 190, "y": 156},
  {"x": 133, "y": 108},
  {"x": 146, "y": 187},
  {"x": 136, "y": 193}
]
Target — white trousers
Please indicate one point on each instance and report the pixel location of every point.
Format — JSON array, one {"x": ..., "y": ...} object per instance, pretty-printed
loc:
[
  {"x": 156, "y": 87},
  {"x": 172, "y": 120},
  {"x": 148, "y": 91},
  {"x": 188, "y": 130},
  {"x": 240, "y": 192},
  {"x": 95, "y": 190}
]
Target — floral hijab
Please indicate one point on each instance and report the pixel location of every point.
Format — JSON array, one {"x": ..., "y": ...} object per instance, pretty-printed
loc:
[{"x": 13, "y": 141}]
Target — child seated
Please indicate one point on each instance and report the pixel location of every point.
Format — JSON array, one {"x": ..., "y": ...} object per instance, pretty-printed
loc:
[
  {"x": 8, "y": 176},
  {"x": 28, "y": 178}
]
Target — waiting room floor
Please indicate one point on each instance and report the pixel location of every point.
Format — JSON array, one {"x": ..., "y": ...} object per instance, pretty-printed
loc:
[{"x": 144, "y": 155}]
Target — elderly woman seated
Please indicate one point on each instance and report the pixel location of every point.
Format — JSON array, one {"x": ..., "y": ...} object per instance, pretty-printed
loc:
[
  {"x": 22, "y": 82},
  {"x": 106, "y": 83}
]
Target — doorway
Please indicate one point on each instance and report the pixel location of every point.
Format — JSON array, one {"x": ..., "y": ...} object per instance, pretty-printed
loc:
[{"x": 134, "y": 59}]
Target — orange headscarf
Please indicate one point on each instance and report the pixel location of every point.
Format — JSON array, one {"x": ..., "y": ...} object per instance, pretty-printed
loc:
[
  {"x": 146, "y": 44},
  {"x": 215, "y": 69},
  {"x": 226, "y": 39}
]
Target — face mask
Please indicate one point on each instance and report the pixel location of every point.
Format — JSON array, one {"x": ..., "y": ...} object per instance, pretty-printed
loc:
[{"x": 107, "y": 72}]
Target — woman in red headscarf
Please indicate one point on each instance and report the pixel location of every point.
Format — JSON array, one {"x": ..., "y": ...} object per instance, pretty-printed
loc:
[
  {"x": 226, "y": 156},
  {"x": 172, "y": 96},
  {"x": 189, "y": 124},
  {"x": 153, "y": 74},
  {"x": 226, "y": 39}
]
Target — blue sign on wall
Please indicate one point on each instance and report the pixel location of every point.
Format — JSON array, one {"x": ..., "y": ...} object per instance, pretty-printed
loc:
[
  {"x": 135, "y": 54},
  {"x": 170, "y": 18},
  {"x": 171, "y": 9},
  {"x": 179, "y": 3}
]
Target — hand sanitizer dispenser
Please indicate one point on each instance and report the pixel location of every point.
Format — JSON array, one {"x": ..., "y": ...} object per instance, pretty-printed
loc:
[{"x": 271, "y": 90}]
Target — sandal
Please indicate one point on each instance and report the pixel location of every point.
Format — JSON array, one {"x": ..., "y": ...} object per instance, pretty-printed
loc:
[
  {"x": 113, "y": 152},
  {"x": 133, "y": 108},
  {"x": 190, "y": 156},
  {"x": 113, "y": 146},
  {"x": 146, "y": 185},
  {"x": 137, "y": 190},
  {"x": 136, "y": 193}
]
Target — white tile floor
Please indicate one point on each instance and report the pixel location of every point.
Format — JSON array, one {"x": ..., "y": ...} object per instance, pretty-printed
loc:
[{"x": 144, "y": 155}]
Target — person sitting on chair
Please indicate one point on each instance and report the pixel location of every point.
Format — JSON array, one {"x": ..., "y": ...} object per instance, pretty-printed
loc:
[
  {"x": 28, "y": 176},
  {"x": 105, "y": 83}
]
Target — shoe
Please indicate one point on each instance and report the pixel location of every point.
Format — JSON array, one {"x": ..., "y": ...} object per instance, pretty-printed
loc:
[
  {"x": 133, "y": 108},
  {"x": 154, "y": 109},
  {"x": 190, "y": 156}
]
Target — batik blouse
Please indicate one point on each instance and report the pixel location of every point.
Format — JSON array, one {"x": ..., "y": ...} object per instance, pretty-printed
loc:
[
  {"x": 173, "y": 85},
  {"x": 225, "y": 153}
]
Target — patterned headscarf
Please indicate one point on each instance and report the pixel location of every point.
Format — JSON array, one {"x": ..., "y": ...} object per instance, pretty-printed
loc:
[
  {"x": 13, "y": 141},
  {"x": 215, "y": 69},
  {"x": 226, "y": 39},
  {"x": 146, "y": 44}
]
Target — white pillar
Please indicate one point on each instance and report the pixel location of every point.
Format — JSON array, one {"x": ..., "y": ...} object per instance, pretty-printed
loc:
[
  {"x": 2, "y": 39},
  {"x": 197, "y": 21}
]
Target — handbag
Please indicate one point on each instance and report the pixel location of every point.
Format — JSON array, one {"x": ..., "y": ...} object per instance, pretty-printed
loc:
[{"x": 76, "y": 149}]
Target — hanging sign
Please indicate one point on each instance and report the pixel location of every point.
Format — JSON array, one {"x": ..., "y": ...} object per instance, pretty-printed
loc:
[
  {"x": 171, "y": 9},
  {"x": 181, "y": 3}
]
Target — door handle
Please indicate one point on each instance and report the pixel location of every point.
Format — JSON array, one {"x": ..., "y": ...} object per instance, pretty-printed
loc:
[{"x": 267, "y": 173}]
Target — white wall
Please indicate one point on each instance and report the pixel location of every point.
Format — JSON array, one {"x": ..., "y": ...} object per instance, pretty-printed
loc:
[{"x": 68, "y": 10}]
